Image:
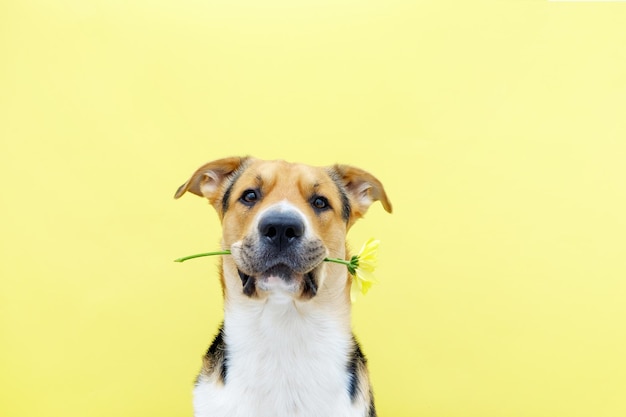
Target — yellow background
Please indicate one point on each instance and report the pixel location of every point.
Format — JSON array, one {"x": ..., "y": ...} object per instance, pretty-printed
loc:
[{"x": 497, "y": 127}]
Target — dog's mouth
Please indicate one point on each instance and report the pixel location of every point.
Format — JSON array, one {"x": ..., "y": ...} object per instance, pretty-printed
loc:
[
  {"x": 282, "y": 278},
  {"x": 264, "y": 269}
]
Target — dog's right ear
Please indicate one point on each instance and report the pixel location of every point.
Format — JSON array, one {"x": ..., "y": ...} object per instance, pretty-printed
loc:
[{"x": 208, "y": 179}]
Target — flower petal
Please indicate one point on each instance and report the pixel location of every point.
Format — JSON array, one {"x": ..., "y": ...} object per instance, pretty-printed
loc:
[
  {"x": 369, "y": 248},
  {"x": 366, "y": 262},
  {"x": 366, "y": 287},
  {"x": 367, "y": 265},
  {"x": 364, "y": 275},
  {"x": 354, "y": 289}
]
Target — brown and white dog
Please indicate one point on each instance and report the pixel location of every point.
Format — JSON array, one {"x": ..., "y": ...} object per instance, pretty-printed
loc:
[{"x": 286, "y": 346}]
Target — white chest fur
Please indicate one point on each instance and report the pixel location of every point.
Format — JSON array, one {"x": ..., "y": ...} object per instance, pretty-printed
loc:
[{"x": 284, "y": 360}]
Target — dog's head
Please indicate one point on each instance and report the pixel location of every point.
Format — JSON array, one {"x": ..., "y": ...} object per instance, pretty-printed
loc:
[{"x": 280, "y": 220}]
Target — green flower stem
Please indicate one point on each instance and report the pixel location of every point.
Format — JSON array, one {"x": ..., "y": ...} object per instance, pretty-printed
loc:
[
  {"x": 338, "y": 261},
  {"x": 200, "y": 255},
  {"x": 351, "y": 264}
]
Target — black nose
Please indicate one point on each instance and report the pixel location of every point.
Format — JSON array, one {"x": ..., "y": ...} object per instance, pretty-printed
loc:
[{"x": 281, "y": 230}]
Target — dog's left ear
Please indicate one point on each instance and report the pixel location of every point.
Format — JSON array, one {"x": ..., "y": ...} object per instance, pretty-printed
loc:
[
  {"x": 208, "y": 179},
  {"x": 362, "y": 187}
]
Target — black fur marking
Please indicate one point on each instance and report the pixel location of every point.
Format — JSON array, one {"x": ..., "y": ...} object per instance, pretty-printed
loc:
[
  {"x": 217, "y": 353},
  {"x": 357, "y": 358},
  {"x": 226, "y": 197},
  {"x": 249, "y": 286},
  {"x": 310, "y": 286},
  {"x": 346, "y": 208},
  {"x": 372, "y": 412},
  {"x": 244, "y": 278}
]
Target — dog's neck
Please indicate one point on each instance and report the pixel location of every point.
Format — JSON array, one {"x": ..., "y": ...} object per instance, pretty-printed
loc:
[
  {"x": 281, "y": 312},
  {"x": 277, "y": 318},
  {"x": 291, "y": 349},
  {"x": 276, "y": 314}
]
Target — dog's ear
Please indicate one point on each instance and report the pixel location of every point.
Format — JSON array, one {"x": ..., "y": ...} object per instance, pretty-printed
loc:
[
  {"x": 208, "y": 179},
  {"x": 362, "y": 187}
]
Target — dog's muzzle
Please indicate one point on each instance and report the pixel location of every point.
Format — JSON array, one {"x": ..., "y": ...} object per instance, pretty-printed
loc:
[{"x": 280, "y": 249}]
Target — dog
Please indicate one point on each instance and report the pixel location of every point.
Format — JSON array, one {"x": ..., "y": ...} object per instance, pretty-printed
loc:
[{"x": 285, "y": 347}]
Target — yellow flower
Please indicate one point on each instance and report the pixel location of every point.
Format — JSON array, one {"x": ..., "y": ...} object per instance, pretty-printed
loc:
[{"x": 362, "y": 268}]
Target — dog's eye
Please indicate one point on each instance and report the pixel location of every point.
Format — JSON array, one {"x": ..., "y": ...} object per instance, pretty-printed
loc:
[
  {"x": 249, "y": 197},
  {"x": 320, "y": 203}
]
